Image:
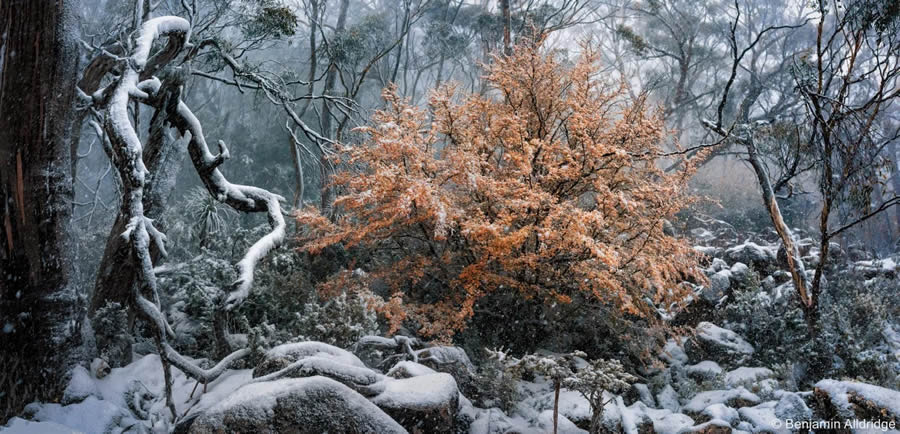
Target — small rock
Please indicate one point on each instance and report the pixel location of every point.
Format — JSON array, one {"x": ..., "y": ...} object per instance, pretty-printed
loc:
[
  {"x": 668, "y": 399},
  {"x": 721, "y": 412},
  {"x": 718, "y": 344},
  {"x": 705, "y": 370},
  {"x": 792, "y": 406},
  {"x": 100, "y": 368}
]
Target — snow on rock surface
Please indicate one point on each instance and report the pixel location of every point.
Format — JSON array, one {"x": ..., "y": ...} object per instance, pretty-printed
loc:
[
  {"x": 850, "y": 399},
  {"x": 721, "y": 412},
  {"x": 752, "y": 254},
  {"x": 668, "y": 398},
  {"x": 91, "y": 415},
  {"x": 421, "y": 392},
  {"x": 673, "y": 353},
  {"x": 763, "y": 419},
  {"x": 721, "y": 345},
  {"x": 407, "y": 369},
  {"x": 303, "y": 405},
  {"x": 564, "y": 425},
  {"x": 792, "y": 406},
  {"x": 18, "y": 425},
  {"x": 744, "y": 376},
  {"x": 739, "y": 397},
  {"x": 719, "y": 283},
  {"x": 705, "y": 370},
  {"x": 427, "y": 402},
  {"x": 711, "y": 426},
  {"x": 283, "y": 355},
  {"x": 81, "y": 386}
]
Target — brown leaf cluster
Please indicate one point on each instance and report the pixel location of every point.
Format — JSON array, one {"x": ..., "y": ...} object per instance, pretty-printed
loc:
[{"x": 547, "y": 186}]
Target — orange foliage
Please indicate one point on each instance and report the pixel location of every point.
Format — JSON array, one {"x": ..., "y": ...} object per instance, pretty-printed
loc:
[{"x": 547, "y": 186}]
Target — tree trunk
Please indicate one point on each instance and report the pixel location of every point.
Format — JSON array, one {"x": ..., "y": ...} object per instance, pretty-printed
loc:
[
  {"x": 330, "y": 81},
  {"x": 792, "y": 252},
  {"x": 117, "y": 273},
  {"x": 555, "y": 406},
  {"x": 40, "y": 312},
  {"x": 507, "y": 23}
]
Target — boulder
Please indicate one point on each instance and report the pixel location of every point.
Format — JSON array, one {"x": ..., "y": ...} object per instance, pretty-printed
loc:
[
  {"x": 714, "y": 426},
  {"x": 744, "y": 376},
  {"x": 842, "y": 400},
  {"x": 640, "y": 392},
  {"x": 792, "y": 406},
  {"x": 425, "y": 403},
  {"x": 712, "y": 342},
  {"x": 763, "y": 419},
  {"x": 721, "y": 412},
  {"x": 734, "y": 398},
  {"x": 282, "y": 356},
  {"x": 668, "y": 399},
  {"x": 739, "y": 271},
  {"x": 295, "y": 405},
  {"x": 705, "y": 370},
  {"x": 719, "y": 284},
  {"x": 750, "y": 253}
]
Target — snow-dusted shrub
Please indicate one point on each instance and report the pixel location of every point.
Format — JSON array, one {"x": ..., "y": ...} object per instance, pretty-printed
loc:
[
  {"x": 339, "y": 321},
  {"x": 776, "y": 329},
  {"x": 855, "y": 314},
  {"x": 596, "y": 377},
  {"x": 111, "y": 331},
  {"x": 494, "y": 384}
]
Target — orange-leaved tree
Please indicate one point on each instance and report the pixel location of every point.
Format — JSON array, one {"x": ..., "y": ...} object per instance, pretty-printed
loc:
[{"x": 546, "y": 188}]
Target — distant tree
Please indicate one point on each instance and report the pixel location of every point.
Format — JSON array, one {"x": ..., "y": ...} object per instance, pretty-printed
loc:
[
  {"x": 545, "y": 188},
  {"x": 40, "y": 308},
  {"x": 848, "y": 86}
]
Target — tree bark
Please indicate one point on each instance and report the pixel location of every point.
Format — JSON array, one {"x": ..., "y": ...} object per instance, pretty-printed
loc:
[
  {"x": 330, "y": 81},
  {"x": 117, "y": 273},
  {"x": 507, "y": 23},
  {"x": 40, "y": 311}
]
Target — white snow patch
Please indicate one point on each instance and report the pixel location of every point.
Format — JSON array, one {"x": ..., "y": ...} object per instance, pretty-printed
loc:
[
  {"x": 744, "y": 376},
  {"x": 704, "y": 399},
  {"x": 422, "y": 392},
  {"x": 838, "y": 392}
]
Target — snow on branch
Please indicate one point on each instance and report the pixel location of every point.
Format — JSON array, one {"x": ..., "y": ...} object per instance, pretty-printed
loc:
[{"x": 136, "y": 82}]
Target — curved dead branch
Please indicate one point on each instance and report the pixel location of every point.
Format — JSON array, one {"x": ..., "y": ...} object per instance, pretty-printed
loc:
[{"x": 136, "y": 82}]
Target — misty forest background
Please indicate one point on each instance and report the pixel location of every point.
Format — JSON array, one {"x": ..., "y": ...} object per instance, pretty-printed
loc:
[{"x": 571, "y": 190}]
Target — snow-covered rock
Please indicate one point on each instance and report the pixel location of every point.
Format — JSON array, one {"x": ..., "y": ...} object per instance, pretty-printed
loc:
[
  {"x": 427, "y": 402},
  {"x": 837, "y": 400},
  {"x": 744, "y": 376},
  {"x": 734, "y": 398},
  {"x": 281, "y": 356},
  {"x": 643, "y": 394},
  {"x": 763, "y": 419},
  {"x": 792, "y": 406},
  {"x": 708, "y": 427},
  {"x": 718, "y": 344},
  {"x": 80, "y": 386},
  {"x": 752, "y": 254},
  {"x": 92, "y": 415},
  {"x": 719, "y": 283},
  {"x": 673, "y": 353},
  {"x": 408, "y": 369},
  {"x": 705, "y": 370},
  {"x": 739, "y": 271},
  {"x": 313, "y": 404},
  {"x": 721, "y": 412},
  {"x": 563, "y": 424},
  {"x": 18, "y": 425},
  {"x": 668, "y": 398}
]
